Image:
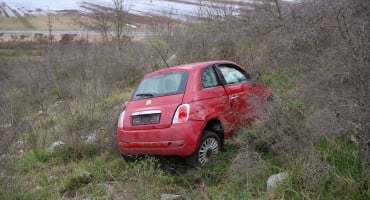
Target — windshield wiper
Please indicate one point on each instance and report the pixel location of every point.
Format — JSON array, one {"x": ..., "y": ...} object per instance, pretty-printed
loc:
[{"x": 144, "y": 95}]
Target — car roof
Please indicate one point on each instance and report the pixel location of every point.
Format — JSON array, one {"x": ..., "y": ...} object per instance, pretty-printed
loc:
[{"x": 188, "y": 67}]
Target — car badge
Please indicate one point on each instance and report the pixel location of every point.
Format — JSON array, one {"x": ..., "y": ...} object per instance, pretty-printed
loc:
[{"x": 148, "y": 102}]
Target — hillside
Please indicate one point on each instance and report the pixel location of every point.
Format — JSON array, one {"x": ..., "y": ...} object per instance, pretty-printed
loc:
[
  {"x": 11, "y": 11},
  {"x": 180, "y": 9},
  {"x": 60, "y": 100},
  {"x": 20, "y": 16}
]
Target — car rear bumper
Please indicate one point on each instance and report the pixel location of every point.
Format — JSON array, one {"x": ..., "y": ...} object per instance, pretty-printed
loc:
[{"x": 177, "y": 140}]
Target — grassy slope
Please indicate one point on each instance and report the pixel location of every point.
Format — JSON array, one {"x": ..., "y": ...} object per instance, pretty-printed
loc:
[
  {"x": 98, "y": 171},
  {"x": 59, "y": 22},
  {"x": 330, "y": 170}
]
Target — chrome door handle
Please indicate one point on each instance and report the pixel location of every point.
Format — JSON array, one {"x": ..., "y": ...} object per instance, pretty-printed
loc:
[{"x": 234, "y": 97}]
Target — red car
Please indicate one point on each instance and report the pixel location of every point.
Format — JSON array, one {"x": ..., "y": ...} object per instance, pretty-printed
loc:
[{"x": 189, "y": 110}]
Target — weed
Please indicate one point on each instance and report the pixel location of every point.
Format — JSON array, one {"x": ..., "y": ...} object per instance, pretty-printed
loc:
[
  {"x": 70, "y": 153},
  {"x": 98, "y": 190},
  {"x": 104, "y": 168},
  {"x": 74, "y": 183},
  {"x": 33, "y": 159},
  {"x": 342, "y": 154}
]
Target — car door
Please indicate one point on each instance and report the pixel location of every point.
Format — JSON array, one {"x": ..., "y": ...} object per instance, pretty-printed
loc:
[
  {"x": 240, "y": 93},
  {"x": 216, "y": 97}
]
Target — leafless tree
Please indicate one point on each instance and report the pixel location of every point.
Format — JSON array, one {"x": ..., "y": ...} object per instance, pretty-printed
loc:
[
  {"x": 50, "y": 28},
  {"x": 119, "y": 19},
  {"x": 106, "y": 20},
  {"x": 97, "y": 18}
]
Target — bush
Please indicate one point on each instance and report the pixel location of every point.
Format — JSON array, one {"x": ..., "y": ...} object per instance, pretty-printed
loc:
[{"x": 71, "y": 152}]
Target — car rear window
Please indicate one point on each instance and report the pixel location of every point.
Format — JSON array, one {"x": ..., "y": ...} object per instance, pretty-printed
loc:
[{"x": 161, "y": 85}]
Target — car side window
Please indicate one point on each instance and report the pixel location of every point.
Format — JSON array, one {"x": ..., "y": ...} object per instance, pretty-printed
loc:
[
  {"x": 209, "y": 78},
  {"x": 232, "y": 75}
]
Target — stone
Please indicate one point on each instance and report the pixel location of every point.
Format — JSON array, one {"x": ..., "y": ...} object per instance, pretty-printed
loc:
[
  {"x": 170, "y": 197},
  {"x": 52, "y": 179},
  {"x": 56, "y": 145},
  {"x": 86, "y": 175},
  {"x": 6, "y": 126},
  {"x": 92, "y": 139},
  {"x": 274, "y": 180}
]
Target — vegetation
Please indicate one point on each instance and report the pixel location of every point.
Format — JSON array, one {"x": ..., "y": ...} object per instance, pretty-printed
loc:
[{"x": 314, "y": 55}]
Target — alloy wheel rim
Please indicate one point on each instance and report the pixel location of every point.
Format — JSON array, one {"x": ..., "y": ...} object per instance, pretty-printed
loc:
[{"x": 208, "y": 148}]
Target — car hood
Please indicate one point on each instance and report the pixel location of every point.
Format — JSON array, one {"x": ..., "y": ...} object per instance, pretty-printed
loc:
[{"x": 166, "y": 105}]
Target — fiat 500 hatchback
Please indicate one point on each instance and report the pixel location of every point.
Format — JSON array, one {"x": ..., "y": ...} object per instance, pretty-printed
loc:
[{"x": 189, "y": 110}]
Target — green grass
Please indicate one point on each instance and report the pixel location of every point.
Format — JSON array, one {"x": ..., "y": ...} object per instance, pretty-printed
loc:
[
  {"x": 33, "y": 159},
  {"x": 343, "y": 155},
  {"x": 281, "y": 79},
  {"x": 329, "y": 171},
  {"x": 148, "y": 178},
  {"x": 240, "y": 172},
  {"x": 143, "y": 179}
]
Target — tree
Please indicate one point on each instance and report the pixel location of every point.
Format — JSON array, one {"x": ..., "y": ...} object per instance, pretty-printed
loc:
[
  {"x": 105, "y": 20},
  {"x": 119, "y": 19},
  {"x": 97, "y": 18}
]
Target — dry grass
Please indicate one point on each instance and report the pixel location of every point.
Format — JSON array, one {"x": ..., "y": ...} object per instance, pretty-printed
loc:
[
  {"x": 58, "y": 22},
  {"x": 316, "y": 130}
]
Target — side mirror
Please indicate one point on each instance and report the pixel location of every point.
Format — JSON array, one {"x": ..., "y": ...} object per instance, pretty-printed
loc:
[{"x": 255, "y": 78}]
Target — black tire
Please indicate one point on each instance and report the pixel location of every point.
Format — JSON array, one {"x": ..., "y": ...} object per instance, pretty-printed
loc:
[
  {"x": 269, "y": 106},
  {"x": 209, "y": 145},
  {"x": 129, "y": 158}
]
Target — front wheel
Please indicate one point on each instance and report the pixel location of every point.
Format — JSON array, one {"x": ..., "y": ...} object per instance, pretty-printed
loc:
[
  {"x": 209, "y": 146},
  {"x": 129, "y": 158},
  {"x": 268, "y": 105}
]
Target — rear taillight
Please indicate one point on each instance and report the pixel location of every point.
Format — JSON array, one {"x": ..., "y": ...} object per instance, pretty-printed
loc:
[
  {"x": 181, "y": 114},
  {"x": 120, "y": 120}
]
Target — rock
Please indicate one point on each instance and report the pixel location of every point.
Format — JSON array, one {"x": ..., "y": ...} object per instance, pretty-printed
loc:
[
  {"x": 6, "y": 126},
  {"x": 353, "y": 139},
  {"x": 2, "y": 173},
  {"x": 274, "y": 180},
  {"x": 170, "y": 196},
  {"x": 19, "y": 147},
  {"x": 38, "y": 188},
  {"x": 92, "y": 139},
  {"x": 52, "y": 179},
  {"x": 56, "y": 145},
  {"x": 86, "y": 175}
]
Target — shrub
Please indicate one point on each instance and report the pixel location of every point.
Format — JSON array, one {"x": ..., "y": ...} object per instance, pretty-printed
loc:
[
  {"x": 67, "y": 38},
  {"x": 75, "y": 152}
]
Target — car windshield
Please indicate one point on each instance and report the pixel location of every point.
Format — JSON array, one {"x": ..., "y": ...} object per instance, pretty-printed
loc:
[{"x": 161, "y": 85}]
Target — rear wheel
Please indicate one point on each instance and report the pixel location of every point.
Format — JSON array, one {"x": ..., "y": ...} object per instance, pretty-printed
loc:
[{"x": 209, "y": 146}]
